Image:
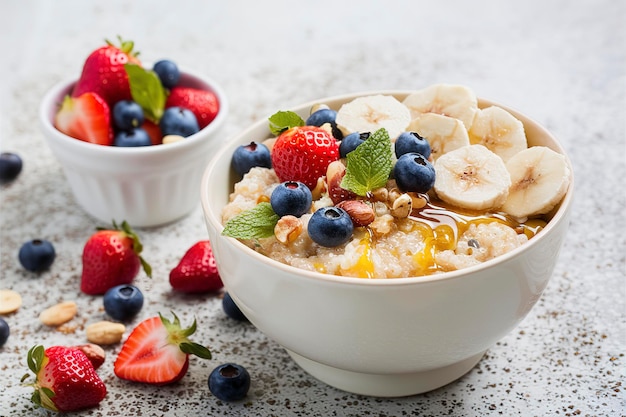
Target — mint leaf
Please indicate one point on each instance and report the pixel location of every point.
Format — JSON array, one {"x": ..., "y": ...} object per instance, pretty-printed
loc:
[
  {"x": 147, "y": 90},
  {"x": 283, "y": 120},
  {"x": 369, "y": 165},
  {"x": 258, "y": 222}
]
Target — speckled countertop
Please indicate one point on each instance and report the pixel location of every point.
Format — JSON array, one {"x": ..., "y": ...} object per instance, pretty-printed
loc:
[{"x": 561, "y": 62}]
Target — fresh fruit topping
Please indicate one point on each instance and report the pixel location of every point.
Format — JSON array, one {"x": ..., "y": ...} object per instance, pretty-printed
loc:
[
  {"x": 456, "y": 101},
  {"x": 322, "y": 116},
  {"x": 413, "y": 172},
  {"x": 10, "y": 301},
  {"x": 540, "y": 178},
  {"x": 65, "y": 379},
  {"x": 127, "y": 115},
  {"x": 168, "y": 72},
  {"x": 334, "y": 175},
  {"x": 123, "y": 302},
  {"x": 229, "y": 382},
  {"x": 103, "y": 72},
  {"x": 86, "y": 117},
  {"x": 154, "y": 131},
  {"x": 303, "y": 154},
  {"x": 350, "y": 142},
  {"x": 255, "y": 223},
  {"x": 111, "y": 257},
  {"x": 5, "y": 331},
  {"x": 284, "y": 120},
  {"x": 157, "y": 352},
  {"x": 472, "y": 177},
  {"x": 197, "y": 270},
  {"x": 37, "y": 255},
  {"x": 10, "y": 166},
  {"x": 178, "y": 121},
  {"x": 369, "y": 165},
  {"x": 330, "y": 226},
  {"x": 291, "y": 197},
  {"x": 444, "y": 134},
  {"x": 499, "y": 131},
  {"x": 231, "y": 309},
  {"x": 202, "y": 103},
  {"x": 94, "y": 353},
  {"x": 147, "y": 91},
  {"x": 249, "y": 156},
  {"x": 370, "y": 113},
  {"x": 132, "y": 138},
  {"x": 411, "y": 142}
]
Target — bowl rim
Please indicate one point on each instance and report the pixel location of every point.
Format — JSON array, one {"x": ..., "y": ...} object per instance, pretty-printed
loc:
[
  {"x": 54, "y": 94},
  {"x": 559, "y": 215}
]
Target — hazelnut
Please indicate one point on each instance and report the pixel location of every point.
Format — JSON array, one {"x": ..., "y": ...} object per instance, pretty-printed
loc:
[
  {"x": 287, "y": 229},
  {"x": 359, "y": 211},
  {"x": 402, "y": 206},
  {"x": 94, "y": 353}
]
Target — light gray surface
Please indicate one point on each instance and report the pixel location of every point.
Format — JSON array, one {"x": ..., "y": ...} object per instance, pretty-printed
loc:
[{"x": 562, "y": 63}]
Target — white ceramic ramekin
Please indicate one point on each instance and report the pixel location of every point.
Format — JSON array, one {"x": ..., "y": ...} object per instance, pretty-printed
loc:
[
  {"x": 382, "y": 337},
  {"x": 146, "y": 186}
]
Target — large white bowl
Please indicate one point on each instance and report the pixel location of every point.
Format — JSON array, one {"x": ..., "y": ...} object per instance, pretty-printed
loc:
[
  {"x": 146, "y": 186},
  {"x": 382, "y": 337}
]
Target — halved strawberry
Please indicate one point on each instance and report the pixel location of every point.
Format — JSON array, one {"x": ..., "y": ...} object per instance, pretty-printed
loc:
[
  {"x": 157, "y": 352},
  {"x": 87, "y": 117},
  {"x": 202, "y": 103},
  {"x": 303, "y": 154}
]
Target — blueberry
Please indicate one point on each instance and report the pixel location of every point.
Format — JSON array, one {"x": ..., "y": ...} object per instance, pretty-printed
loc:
[
  {"x": 5, "y": 331},
  {"x": 330, "y": 226},
  {"x": 229, "y": 382},
  {"x": 322, "y": 116},
  {"x": 291, "y": 197},
  {"x": 132, "y": 138},
  {"x": 168, "y": 73},
  {"x": 413, "y": 172},
  {"x": 249, "y": 156},
  {"x": 127, "y": 115},
  {"x": 123, "y": 302},
  {"x": 37, "y": 255},
  {"x": 231, "y": 309},
  {"x": 412, "y": 142},
  {"x": 178, "y": 121},
  {"x": 10, "y": 166},
  {"x": 351, "y": 141}
]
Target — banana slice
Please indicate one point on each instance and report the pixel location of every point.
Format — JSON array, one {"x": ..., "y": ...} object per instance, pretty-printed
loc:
[
  {"x": 370, "y": 113},
  {"x": 450, "y": 100},
  {"x": 444, "y": 134},
  {"x": 499, "y": 131},
  {"x": 540, "y": 178},
  {"x": 472, "y": 177}
]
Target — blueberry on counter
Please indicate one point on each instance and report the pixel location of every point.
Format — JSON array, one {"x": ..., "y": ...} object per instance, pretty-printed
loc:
[
  {"x": 229, "y": 382},
  {"x": 5, "y": 331},
  {"x": 291, "y": 198},
  {"x": 330, "y": 226},
  {"x": 249, "y": 156},
  {"x": 123, "y": 302},
  {"x": 37, "y": 255},
  {"x": 413, "y": 172},
  {"x": 231, "y": 309},
  {"x": 10, "y": 166}
]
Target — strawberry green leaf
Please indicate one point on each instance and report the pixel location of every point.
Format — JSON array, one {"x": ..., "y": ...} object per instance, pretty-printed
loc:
[
  {"x": 195, "y": 349},
  {"x": 147, "y": 90},
  {"x": 258, "y": 222},
  {"x": 35, "y": 358},
  {"x": 369, "y": 165},
  {"x": 284, "y": 120}
]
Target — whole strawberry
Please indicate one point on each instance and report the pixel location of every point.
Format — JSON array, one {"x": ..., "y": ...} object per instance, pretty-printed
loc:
[
  {"x": 197, "y": 270},
  {"x": 111, "y": 257},
  {"x": 103, "y": 72},
  {"x": 65, "y": 379},
  {"x": 202, "y": 103},
  {"x": 157, "y": 352},
  {"x": 303, "y": 153}
]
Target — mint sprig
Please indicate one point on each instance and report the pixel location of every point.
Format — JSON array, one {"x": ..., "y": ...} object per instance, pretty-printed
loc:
[
  {"x": 255, "y": 223},
  {"x": 369, "y": 165},
  {"x": 147, "y": 90},
  {"x": 283, "y": 120}
]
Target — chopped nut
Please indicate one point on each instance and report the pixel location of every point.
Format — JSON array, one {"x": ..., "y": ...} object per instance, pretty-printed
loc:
[
  {"x": 105, "y": 332},
  {"x": 10, "y": 301},
  {"x": 359, "y": 211},
  {"x": 417, "y": 200},
  {"x": 393, "y": 195},
  {"x": 320, "y": 187},
  {"x": 171, "y": 139},
  {"x": 402, "y": 206},
  {"x": 380, "y": 194},
  {"x": 382, "y": 225},
  {"x": 94, "y": 353},
  {"x": 287, "y": 229},
  {"x": 59, "y": 313}
]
